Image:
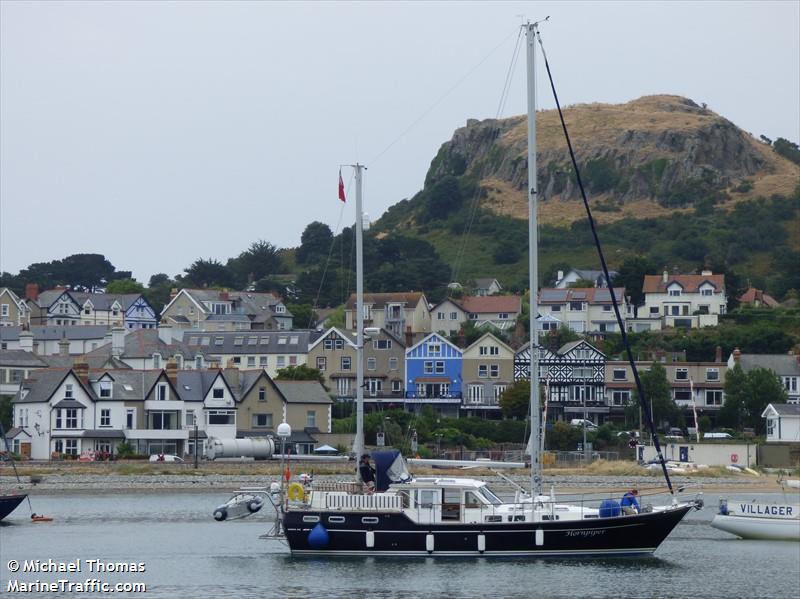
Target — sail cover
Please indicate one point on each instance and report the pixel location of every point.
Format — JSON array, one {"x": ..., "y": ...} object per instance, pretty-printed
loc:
[{"x": 390, "y": 467}]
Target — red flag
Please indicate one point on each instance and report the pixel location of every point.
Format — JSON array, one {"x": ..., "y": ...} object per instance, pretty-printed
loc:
[{"x": 341, "y": 187}]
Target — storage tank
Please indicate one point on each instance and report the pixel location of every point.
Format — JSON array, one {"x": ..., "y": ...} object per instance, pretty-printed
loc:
[{"x": 259, "y": 449}]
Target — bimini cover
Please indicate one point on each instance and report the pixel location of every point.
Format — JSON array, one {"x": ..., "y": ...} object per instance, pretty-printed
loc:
[{"x": 390, "y": 467}]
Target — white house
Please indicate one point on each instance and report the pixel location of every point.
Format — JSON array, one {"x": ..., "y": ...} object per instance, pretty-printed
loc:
[
  {"x": 785, "y": 366},
  {"x": 682, "y": 301},
  {"x": 563, "y": 281},
  {"x": 783, "y": 422},
  {"x": 583, "y": 309}
]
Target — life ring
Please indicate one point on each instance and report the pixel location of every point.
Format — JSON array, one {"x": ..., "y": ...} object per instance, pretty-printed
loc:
[
  {"x": 296, "y": 492},
  {"x": 734, "y": 458}
]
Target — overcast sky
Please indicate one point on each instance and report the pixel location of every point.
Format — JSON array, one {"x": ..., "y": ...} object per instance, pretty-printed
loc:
[{"x": 160, "y": 132}]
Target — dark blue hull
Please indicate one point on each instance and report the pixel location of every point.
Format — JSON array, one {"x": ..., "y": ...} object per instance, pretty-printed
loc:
[
  {"x": 8, "y": 503},
  {"x": 395, "y": 534}
]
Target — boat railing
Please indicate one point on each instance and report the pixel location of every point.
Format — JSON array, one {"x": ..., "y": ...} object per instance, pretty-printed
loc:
[{"x": 352, "y": 487}]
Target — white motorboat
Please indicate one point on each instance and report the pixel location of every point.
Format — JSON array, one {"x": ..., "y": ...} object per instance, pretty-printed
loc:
[{"x": 758, "y": 519}]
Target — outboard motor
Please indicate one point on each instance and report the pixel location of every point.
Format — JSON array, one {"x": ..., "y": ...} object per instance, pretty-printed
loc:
[{"x": 723, "y": 506}]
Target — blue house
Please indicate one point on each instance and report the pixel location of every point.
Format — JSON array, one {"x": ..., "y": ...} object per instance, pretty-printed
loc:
[
  {"x": 433, "y": 376},
  {"x": 139, "y": 314}
]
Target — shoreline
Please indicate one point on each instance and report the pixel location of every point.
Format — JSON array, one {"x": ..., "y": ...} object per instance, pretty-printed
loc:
[{"x": 134, "y": 477}]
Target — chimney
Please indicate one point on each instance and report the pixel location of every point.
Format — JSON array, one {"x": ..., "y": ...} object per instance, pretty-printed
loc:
[
  {"x": 117, "y": 341},
  {"x": 224, "y": 296},
  {"x": 165, "y": 333},
  {"x": 706, "y": 273},
  {"x": 665, "y": 276},
  {"x": 737, "y": 354},
  {"x": 26, "y": 341},
  {"x": 172, "y": 372},
  {"x": 81, "y": 369},
  {"x": 718, "y": 354},
  {"x": 231, "y": 364},
  {"x": 63, "y": 347},
  {"x": 172, "y": 293},
  {"x": 409, "y": 337},
  {"x": 560, "y": 275},
  {"x": 32, "y": 291}
]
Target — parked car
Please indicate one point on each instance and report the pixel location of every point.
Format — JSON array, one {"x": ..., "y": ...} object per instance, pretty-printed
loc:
[
  {"x": 165, "y": 457},
  {"x": 581, "y": 422},
  {"x": 717, "y": 436}
]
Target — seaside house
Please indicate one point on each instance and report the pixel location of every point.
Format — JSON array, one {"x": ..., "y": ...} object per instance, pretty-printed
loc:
[
  {"x": 487, "y": 370},
  {"x": 211, "y": 310},
  {"x": 405, "y": 315},
  {"x": 433, "y": 376},
  {"x": 13, "y": 310}
]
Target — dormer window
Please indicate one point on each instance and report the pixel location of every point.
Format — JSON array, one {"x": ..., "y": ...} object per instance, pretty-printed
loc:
[
  {"x": 156, "y": 360},
  {"x": 162, "y": 392},
  {"x": 280, "y": 309},
  {"x": 198, "y": 362},
  {"x": 105, "y": 388}
]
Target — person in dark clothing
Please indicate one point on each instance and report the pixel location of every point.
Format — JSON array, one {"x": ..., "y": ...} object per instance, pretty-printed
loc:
[
  {"x": 367, "y": 474},
  {"x": 630, "y": 503}
]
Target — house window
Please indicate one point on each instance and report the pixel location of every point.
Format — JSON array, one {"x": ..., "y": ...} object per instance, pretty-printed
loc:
[
  {"x": 582, "y": 373},
  {"x": 262, "y": 394},
  {"x": 161, "y": 392},
  {"x": 498, "y": 392},
  {"x": 475, "y": 394},
  {"x": 440, "y": 316},
  {"x": 322, "y": 362},
  {"x": 620, "y": 397},
  {"x": 483, "y": 371},
  {"x": 262, "y": 421},
  {"x": 221, "y": 417},
  {"x": 713, "y": 397},
  {"x": 712, "y": 374},
  {"x": 105, "y": 417},
  {"x": 375, "y": 387},
  {"x": 790, "y": 383},
  {"x": 575, "y": 306},
  {"x": 237, "y": 360},
  {"x": 372, "y": 363},
  {"x": 620, "y": 374},
  {"x": 434, "y": 349},
  {"x": 190, "y": 418},
  {"x": 681, "y": 374},
  {"x": 4, "y": 310},
  {"x": 218, "y": 393},
  {"x": 71, "y": 418},
  {"x": 453, "y": 315},
  {"x": 346, "y": 362},
  {"x": 397, "y": 386},
  {"x": 130, "y": 419},
  {"x": 292, "y": 360},
  {"x": 382, "y": 344},
  {"x": 675, "y": 310},
  {"x": 251, "y": 361},
  {"x": 393, "y": 363},
  {"x": 494, "y": 371},
  {"x": 71, "y": 446},
  {"x": 683, "y": 395},
  {"x": 674, "y": 292},
  {"x": 771, "y": 427},
  {"x": 343, "y": 387},
  {"x": 311, "y": 419},
  {"x": 439, "y": 367},
  {"x": 179, "y": 361},
  {"x": 262, "y": 361},
  {"x": 68, "y": 391},
  {"x": 503, "y": 316},
  {"x": 428, "y": 367},
  {"x": 653, "y": 310},
  {"x": 161, "y": 421},
  {"x": 281, "y": 362},
  {"x": 156, "y": 360},
  {"x": 555, "y": 308},
  {"x": 198, "y": 362},
  {"x": 105, "y": 388},
  {"x": 706, "y": 292}
]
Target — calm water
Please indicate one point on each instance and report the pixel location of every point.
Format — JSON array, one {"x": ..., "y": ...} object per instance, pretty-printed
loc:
[{"x": 188, "y": 554}]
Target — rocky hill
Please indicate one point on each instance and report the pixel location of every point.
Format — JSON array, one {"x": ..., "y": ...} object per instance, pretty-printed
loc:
[{"x": 644, "y": 158}]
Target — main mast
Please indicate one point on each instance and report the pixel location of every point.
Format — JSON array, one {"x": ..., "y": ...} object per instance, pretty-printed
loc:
[
  {"x": 533, "y": 262},
  {"x": 358, "y": 442}
]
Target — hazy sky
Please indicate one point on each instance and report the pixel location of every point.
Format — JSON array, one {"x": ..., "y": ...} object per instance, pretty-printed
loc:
[{"x": 160, "y": 132}]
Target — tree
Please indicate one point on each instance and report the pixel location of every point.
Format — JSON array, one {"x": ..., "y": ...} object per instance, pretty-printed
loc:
[
  {"x": 6, "y": 411},
  {"x": 304, "y": 316},
  {"x": 631, "y": 276},
  {"x": 208, "y": 273},
  {"x": 747, "y": 396},
  {"x": 256, "y": 262},
  {"x": 515, "y": 401},
  {"x": 124, "y": 286},
  {"x": 443, "y": 198},
  {"x": 159, "y": 279},
  {"x": 581, "y": 283},
  {"x": 553, "y": 340},
  {"x": 657, "y": 393},
  {"x": 302, "y": 372},
  {"x": 315, "y": 243}
]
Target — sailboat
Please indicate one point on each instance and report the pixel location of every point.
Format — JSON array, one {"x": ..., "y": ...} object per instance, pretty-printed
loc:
[{"x": 453, "y": 516}]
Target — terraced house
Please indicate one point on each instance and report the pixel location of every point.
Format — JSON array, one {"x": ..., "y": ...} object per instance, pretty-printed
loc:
[
  {"x": 13, "y": 310},
  {"x": 211, "y": 310}
]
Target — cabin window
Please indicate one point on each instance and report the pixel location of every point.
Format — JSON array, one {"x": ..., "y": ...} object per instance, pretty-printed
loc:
[
  {"x": 451, "y": 506},
  {"x": 471, "y": 500},
  {"x": 311, "y": 519},
  {"x": 336, "y": 519},
  {"x": 369, "y": 520},
  {"x": 428, "y": 498}
]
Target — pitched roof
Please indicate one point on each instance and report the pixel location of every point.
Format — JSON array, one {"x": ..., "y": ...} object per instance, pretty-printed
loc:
[
  {"x": 303, "y": 392},
  {"x": 250, "y": 342},
  {"x": 482, "y": 304},
  {"x": 104, "y": 301},
  {"x": 54, "y": 333},
  {"x": 780, "y": 364},
  {"x": 753, "y": 295},
  {"x": 786, "y": 409},
  {"x": 41, "y": 384},
  {"x": 380, "y": 300},
  {"x": 591, "y": 295},
  {"x": 47, "y": 298},
  {"x": 18, "y": 358},
  {"x": 690, "y": 283}
]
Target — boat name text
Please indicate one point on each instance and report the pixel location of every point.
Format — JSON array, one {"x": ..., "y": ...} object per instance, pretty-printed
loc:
[
  {"x": 585, "y": 533},
  {"x": 766, "y": 510}
]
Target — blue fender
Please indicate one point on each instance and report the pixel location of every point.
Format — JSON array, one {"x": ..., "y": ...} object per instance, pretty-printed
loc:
[{"x": 318, "y": 538}]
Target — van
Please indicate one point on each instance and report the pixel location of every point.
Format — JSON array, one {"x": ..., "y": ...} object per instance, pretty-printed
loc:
[
  {"x": 717, "y": 436},
  {"x": 582, "y": 423}
]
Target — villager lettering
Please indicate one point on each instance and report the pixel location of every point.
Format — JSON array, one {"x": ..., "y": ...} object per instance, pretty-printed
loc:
[
  {"x": 91, "y": 565},
  {"x": 766, "y": 510}
]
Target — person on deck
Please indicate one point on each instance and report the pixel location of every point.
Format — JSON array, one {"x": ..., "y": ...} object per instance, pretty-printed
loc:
[
  {"x": 630, "y": 503},
  {"x": 367, "y": 474}
]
